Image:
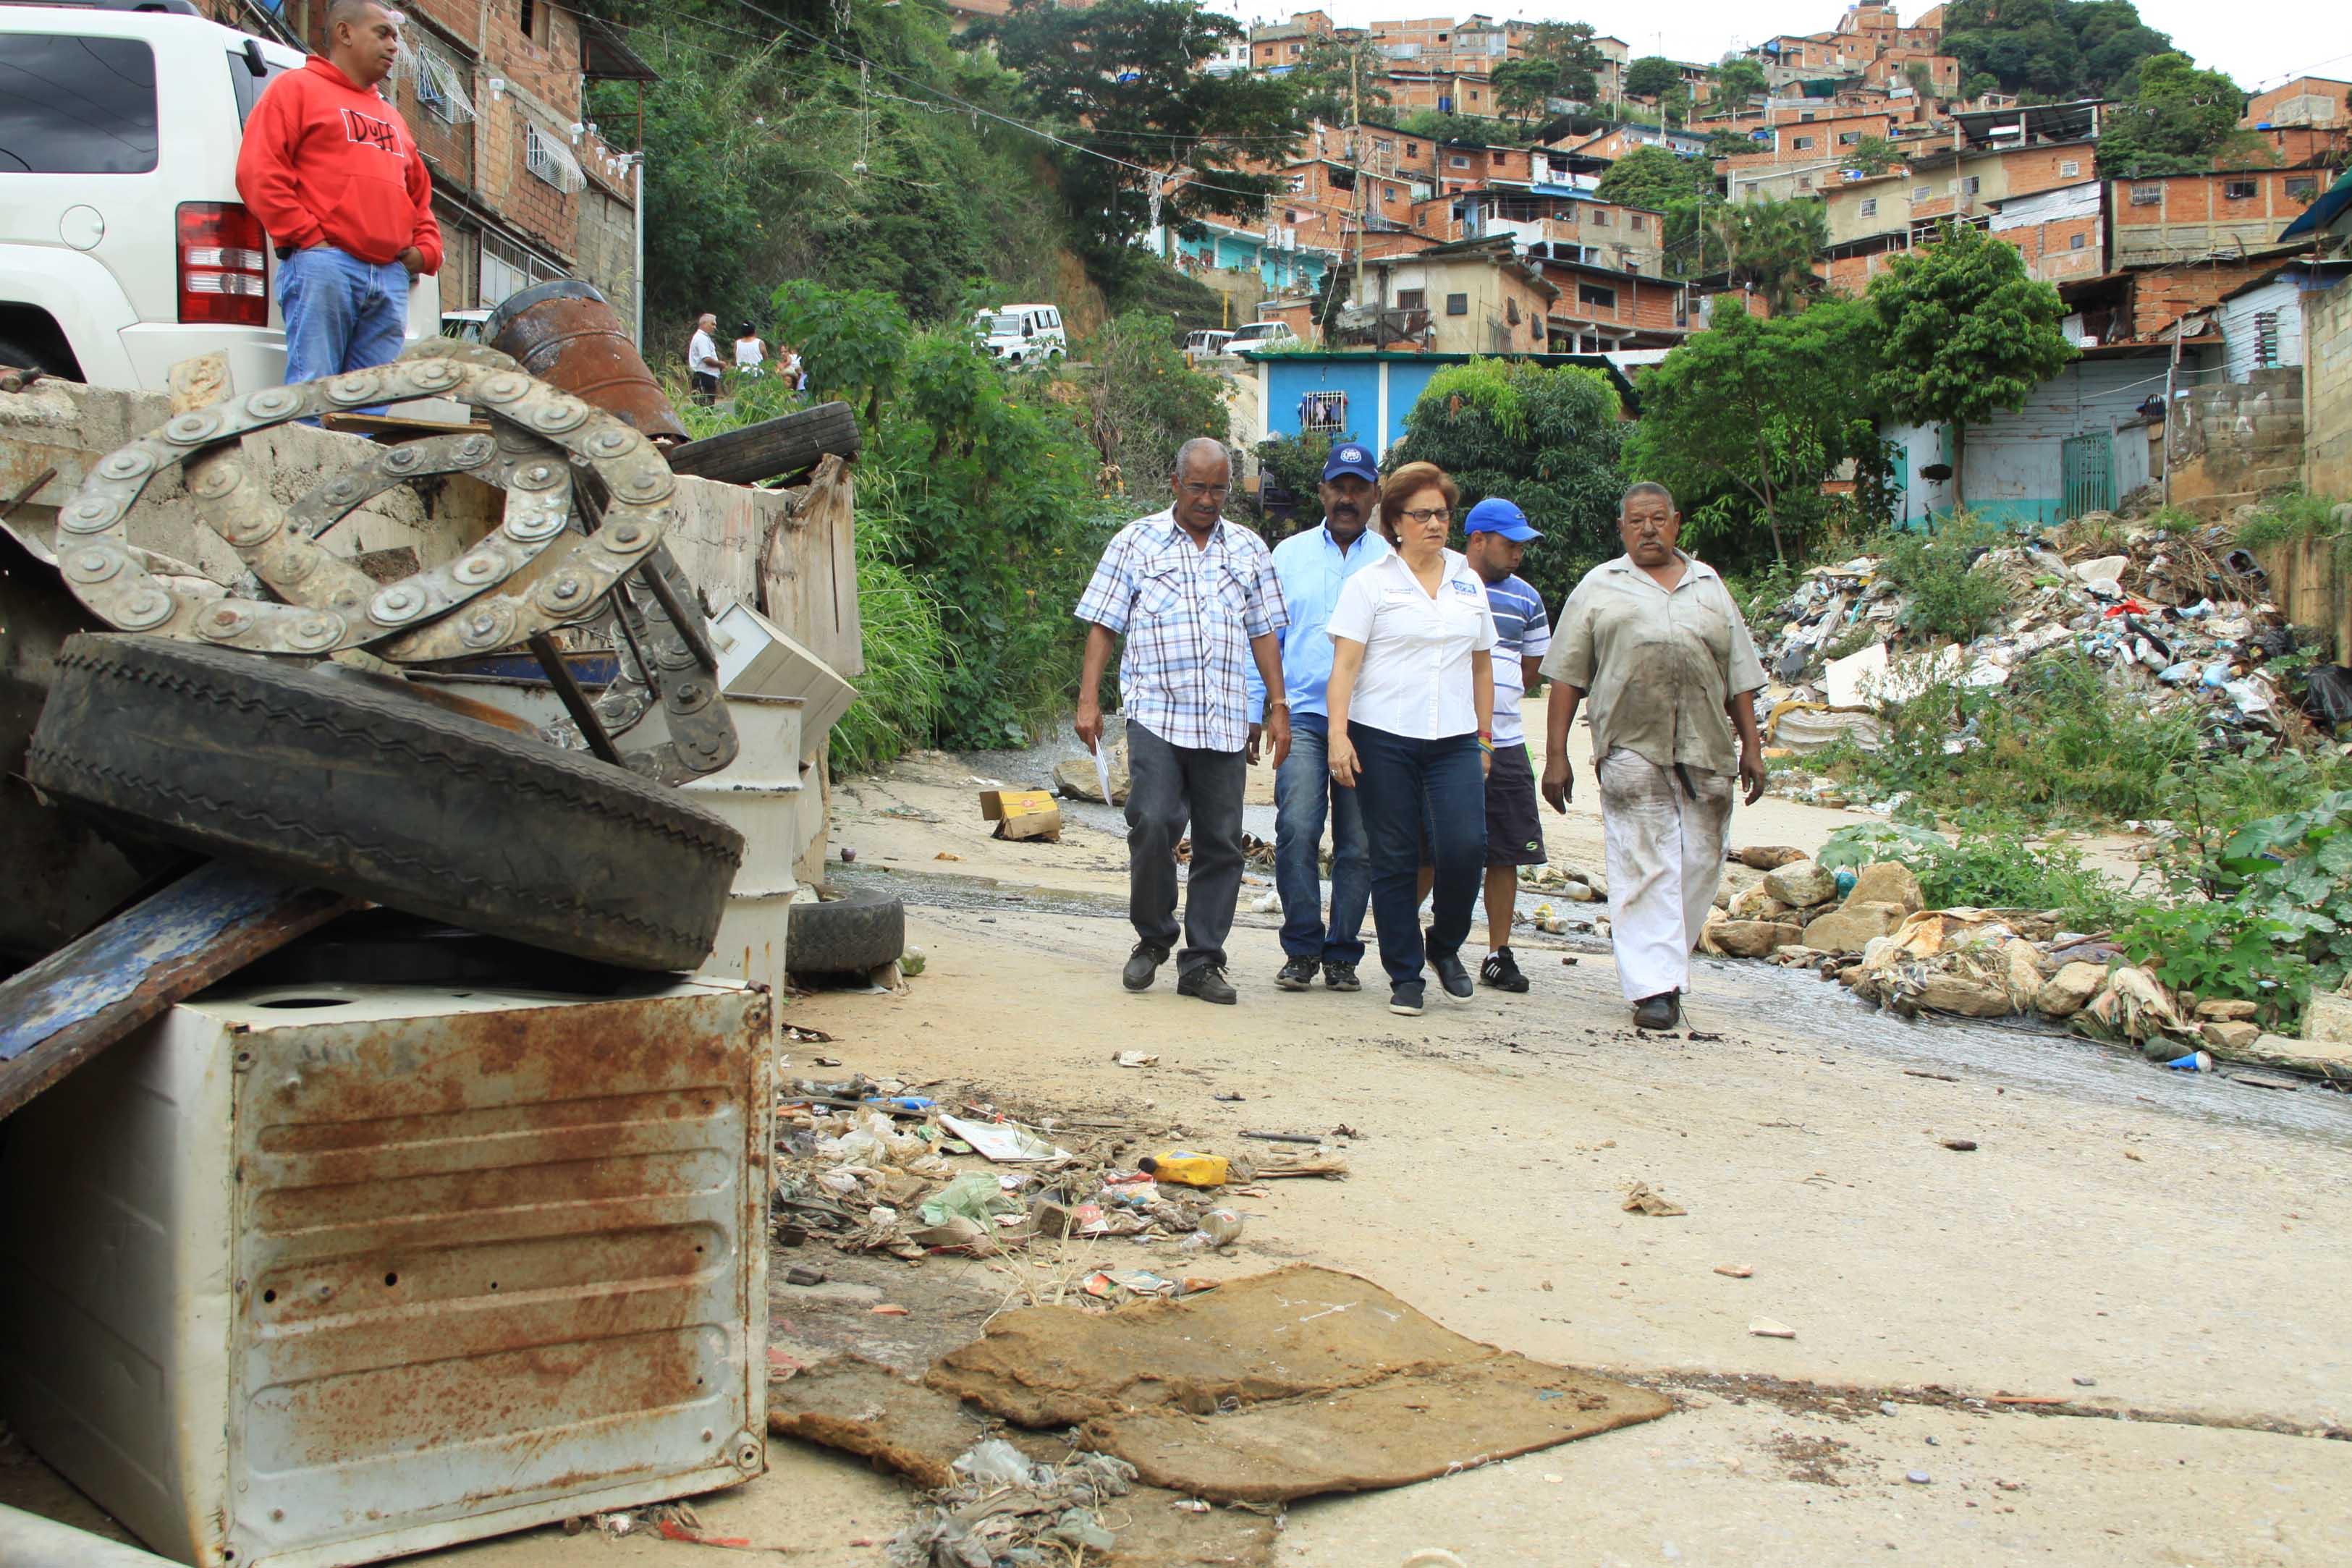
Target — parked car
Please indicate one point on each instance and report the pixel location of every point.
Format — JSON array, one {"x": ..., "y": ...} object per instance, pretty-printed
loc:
[
  {"x": 1261, "y": 335},
  {"x": 123, "y": 250},
  {"x": 1205, "y": 344},
  {"x": 1022, "y": 334}
]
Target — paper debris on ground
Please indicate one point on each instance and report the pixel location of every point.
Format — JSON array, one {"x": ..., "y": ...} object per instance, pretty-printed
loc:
[
  {"x": 1647, "y": 1199},
  {"x": 1004, "y": 1142}
]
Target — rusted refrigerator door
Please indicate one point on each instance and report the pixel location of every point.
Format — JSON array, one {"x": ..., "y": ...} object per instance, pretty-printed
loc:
[{"x": 309, "y": 1277}]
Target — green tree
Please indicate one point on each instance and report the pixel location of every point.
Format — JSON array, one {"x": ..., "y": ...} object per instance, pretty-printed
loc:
[
  {"x": 1964, "y": 334},
  {"x": 1922, "y": 79},
  {"x": 1124, "y": 79},
  {"x": 1769, "y": 246},
  {"x": 1336, "y": 75},
  {"x": 1655, "y": 178},
  {"x": 1475, "y": 130},
  {"x": 1143, "y": 401},
  {"x": 1524, "y": 88},
  {"x": 1651, "y": 77},
  {"x": 1737, "y": 80},
  {"x": 1745, "y": 421},
  {"x": 1874, "y": 155},
  {"x": 2181, "y": 120},
  {"x": 1570, "y": 47},
  {"x": 1546, "y": 437},
  {"x": 2054, "y": 48}
]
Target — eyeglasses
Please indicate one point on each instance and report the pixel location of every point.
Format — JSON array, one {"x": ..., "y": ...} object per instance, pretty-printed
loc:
[
  {"x": 1204, "y": 492},
  {"x": 1428, "y": 514}
]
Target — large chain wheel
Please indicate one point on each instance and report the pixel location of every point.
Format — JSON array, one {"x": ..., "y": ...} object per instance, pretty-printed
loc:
[{"x": 515, "y": 585}]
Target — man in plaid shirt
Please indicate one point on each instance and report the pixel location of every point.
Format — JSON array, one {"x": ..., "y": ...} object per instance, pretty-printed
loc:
[{"x": 1196, "y": 599}]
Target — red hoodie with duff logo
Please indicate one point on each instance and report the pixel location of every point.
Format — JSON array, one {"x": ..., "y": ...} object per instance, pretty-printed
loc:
[{"x": 327, "y": 161}]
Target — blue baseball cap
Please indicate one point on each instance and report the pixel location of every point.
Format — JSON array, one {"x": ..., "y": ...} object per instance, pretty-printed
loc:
[
  {"x": 1496, "y": 516},
  {"x": 1349, "y": 458}
]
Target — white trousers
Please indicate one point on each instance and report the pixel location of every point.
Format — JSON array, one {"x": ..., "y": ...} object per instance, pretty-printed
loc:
[{"x": 1665, "y": 858}]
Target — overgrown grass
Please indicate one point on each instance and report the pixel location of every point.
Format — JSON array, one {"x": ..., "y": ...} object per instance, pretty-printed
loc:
[
  {"x": 2298, "y": 516},
  {"x": 1945, "y": 595},
  {"x": 904, "y": 688},
  {"x": 2059, "y": 743},
  {"x": 1991, "y": 863}
]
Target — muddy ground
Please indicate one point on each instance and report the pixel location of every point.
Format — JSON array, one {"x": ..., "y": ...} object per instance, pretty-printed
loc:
[{"x": 2112, "y": 1333}]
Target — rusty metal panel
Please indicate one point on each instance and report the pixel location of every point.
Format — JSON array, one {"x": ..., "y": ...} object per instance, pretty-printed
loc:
[
  {"x": 565, "y": 334},
  {"x": 488, "y": 1260}
]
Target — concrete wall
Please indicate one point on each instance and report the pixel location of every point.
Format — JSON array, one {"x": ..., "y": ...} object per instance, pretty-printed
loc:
[
  {"x": 2232, "y": 442},
  {"x": 2327, "y": 365}
]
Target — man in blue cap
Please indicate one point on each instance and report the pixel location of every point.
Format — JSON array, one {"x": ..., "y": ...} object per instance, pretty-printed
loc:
[
  {"x": 1497, "y": 536},
  {"x": 1311, "y": 566}
]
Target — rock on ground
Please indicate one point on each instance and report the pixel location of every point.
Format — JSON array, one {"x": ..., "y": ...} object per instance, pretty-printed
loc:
[
  {"x": 1753, "y": 939},
  {"x": 1967, "y": 996},
  {"x": 1850, "y": 929},
  {"x": 2070, "y": 990},
  {"x": 1888, "y": 882},
  {"x": 1800, "y": 884}
]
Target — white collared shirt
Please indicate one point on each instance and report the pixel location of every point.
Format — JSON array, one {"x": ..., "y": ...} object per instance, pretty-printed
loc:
[{"x": 1415, "y": 679}]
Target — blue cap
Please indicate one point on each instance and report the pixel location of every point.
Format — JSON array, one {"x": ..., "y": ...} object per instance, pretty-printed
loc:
[
  {"x": 1349, "y": 458},
  {"x": 1496, "y": 516}
]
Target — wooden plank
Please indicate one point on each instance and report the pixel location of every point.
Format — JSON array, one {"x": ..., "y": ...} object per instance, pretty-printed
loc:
[{"x": 99, "y": 986}]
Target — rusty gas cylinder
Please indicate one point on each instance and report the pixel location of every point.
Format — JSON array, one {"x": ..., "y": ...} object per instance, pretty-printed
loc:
[{"x": 566, "y": 335}]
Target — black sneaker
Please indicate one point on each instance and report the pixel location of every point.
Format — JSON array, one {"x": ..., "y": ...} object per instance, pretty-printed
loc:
[
  {"x": 1142, "y": 966},
  {"x": 1207, "y": 982},
  {"x": 1502, "y": 971},
  {"x": 1340, "y": 978},
  {"x": 1296, "y": 974},
  {"x": 1405, "y": 999},
  {"x": 1661, "y": 1011},
  {"x": 1452, "y": 978}
]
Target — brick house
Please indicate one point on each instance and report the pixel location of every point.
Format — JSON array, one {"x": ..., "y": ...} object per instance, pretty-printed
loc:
[
  {"x": 2188, "y": 217},
  {"x": 525, "y": 189}
]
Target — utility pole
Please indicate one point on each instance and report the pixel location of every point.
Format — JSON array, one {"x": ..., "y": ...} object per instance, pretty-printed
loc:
[{"x": 1356, "y": 156}]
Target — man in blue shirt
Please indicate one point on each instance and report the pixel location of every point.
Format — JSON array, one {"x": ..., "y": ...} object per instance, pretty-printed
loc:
[
  {"x": 1311, "y": 566},
  {"x": 1495, "y": 539}
]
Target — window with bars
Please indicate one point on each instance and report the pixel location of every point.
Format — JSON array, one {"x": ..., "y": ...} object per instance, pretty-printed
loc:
[
  {"x": 546, "y": 156},
  {"x": 2302, "y": 187},
  {"x": 2238, "y": 190},
  {"x": 440, "y": 81},
  {"x": 2147, "y": 194},
  {"x": 1870, "y": 207},
  {"x": 1326, "y": 411}
]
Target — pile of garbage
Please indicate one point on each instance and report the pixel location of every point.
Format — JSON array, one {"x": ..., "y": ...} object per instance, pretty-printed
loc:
[
  {"x": 1007, "y": 1510},
  {"x": 874, "y": 1167},
  {"x": 1870, "y": 931},
  {"x": 2184, "y": 617}
]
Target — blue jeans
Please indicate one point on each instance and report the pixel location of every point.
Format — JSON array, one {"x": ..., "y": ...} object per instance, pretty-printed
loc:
[
  {"x": 1302, "y": 787},
  {"x": 1406, "y": 786},
  {"x": 341, "y": 314}
]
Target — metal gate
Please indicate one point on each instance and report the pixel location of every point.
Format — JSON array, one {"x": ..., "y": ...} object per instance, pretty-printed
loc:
[{"x": 2087, "y": 467}]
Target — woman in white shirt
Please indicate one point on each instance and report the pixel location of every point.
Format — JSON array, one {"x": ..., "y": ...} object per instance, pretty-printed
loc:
[
  {"x": 1411, "y": 703},
  {"x": 750, "y": 353}
]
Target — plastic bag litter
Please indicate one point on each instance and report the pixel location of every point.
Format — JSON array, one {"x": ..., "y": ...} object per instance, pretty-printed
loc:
[
  {"x": 994, "y": 1463},
  {"x": 2327, "y": 694},
  {"x": 977, "y": 1197}
]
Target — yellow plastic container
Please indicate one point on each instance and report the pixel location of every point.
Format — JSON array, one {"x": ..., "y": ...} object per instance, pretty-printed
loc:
[{"x": 1181, "y": 1170}]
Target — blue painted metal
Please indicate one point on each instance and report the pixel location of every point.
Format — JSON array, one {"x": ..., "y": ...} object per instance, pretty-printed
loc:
[{"x": 95, "y": 989}]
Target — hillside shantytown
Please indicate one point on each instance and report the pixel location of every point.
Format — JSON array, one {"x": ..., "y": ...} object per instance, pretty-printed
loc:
[{"x": 953, "y": 783}]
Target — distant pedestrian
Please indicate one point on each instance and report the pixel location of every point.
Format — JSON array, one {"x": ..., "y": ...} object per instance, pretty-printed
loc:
[
  {"x": 788, "y": 366},
  {"x": 1411, "y": 703},
  {"x": 334, "y": 176},
  {"x": 702, "y": 364},
  {"x": 1196, "y": 599},
  {"x": 751, "y": 353},
  {"x": 1494, "y": 542},
  {"x": 1312, "y": 568},
  {"x": 1653, "y": 642}
]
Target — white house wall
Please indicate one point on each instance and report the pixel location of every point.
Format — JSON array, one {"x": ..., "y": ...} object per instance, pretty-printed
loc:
[{"x": 2240, "y": 331}]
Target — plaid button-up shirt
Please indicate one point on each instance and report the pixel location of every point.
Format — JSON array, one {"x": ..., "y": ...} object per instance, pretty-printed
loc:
[{"x": 1188, "y": 615}]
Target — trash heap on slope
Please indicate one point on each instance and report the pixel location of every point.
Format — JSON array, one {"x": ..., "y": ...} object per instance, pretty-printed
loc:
[{"x": 2184, "y": 617}]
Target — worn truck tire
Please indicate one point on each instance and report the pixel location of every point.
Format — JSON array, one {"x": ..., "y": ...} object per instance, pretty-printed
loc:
[
  {"x": 862, "y": 929},
  {"x": 775, "y": 448},
  {"x": 362, "y": 788}
]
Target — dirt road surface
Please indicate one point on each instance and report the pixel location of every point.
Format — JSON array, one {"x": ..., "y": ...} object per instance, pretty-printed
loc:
[{"x": 2114, "y": 1333}]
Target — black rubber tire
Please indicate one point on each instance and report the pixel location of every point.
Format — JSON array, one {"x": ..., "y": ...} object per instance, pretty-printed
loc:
[
  {"x": 361, "y": 788},
  {"x": 862, "y": 929},
  {"x": 775, "y": 448}
]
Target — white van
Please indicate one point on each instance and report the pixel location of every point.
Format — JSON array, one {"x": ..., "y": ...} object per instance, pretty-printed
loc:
[
  {"x": 125, "y": 250},
  {"x": 1261, "y": 335},
  {"x": 1205, "y": 344},
  {"x": 1022, "y": 334}
]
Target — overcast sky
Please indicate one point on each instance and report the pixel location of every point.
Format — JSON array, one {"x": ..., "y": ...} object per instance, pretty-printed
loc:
[{"x": 2258, "y": 42}]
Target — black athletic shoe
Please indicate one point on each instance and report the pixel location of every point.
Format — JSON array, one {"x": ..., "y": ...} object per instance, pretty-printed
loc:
[
  {"x": 1405, "y": 999},
  {"x": 1142, "y": 966},
  {"x": 1661, "y": 1011},
  {"x": 1296, "y": 974},
  {"x": 1207, "y": 982},
  {"x": 1341, "y": 977},
  {"x": 1453, "y": 979},
  {"x": 1502, "y": 971}
]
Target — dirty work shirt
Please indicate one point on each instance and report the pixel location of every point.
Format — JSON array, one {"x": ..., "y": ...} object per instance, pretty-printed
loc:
[
  {"x": 1312, "y": 568},
  {"x": 1415, "y": 679},
  {"x": 1522, "y": 630},
  {"x": 1188, "y": 615},
  {"x": 1655, "y": 668}
]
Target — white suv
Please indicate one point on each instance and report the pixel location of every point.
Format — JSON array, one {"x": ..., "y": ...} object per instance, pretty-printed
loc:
[{"x": 125, "y": 250}]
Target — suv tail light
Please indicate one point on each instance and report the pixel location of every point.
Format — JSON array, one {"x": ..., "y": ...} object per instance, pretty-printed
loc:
[{"x": 223, "y": 259}]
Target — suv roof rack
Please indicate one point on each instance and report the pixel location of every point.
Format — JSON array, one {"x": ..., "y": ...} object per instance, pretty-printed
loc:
[{"x": 176, "y": 7}]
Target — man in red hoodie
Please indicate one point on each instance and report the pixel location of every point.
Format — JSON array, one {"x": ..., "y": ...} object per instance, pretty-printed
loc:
[{"x": 333, "y": 174}]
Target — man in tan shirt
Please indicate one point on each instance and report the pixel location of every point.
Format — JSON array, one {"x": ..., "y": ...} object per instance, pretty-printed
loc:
[{"x": 1653, "y": 640}]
